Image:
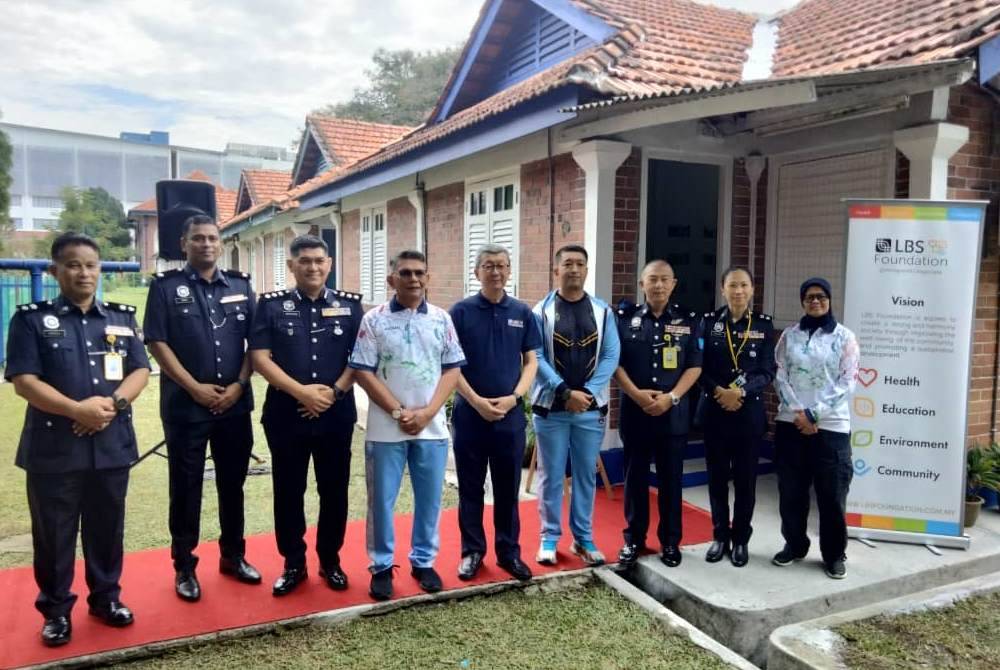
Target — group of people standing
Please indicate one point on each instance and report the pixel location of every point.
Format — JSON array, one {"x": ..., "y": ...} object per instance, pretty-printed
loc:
[{"x": 81, "y": 363}]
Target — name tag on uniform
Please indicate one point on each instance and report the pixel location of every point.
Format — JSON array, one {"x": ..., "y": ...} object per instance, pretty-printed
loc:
[
  {"x": 236, "y": 297},
  {"x": 755, "y": 335},
  {"x": 53, "y": 333},
  {"x": 183, "y": 299},
  {"x": 677, "y": 330},
  {"x": 515, "y": 323},
  {"x": 336, "y": 311},
  {"x": 114, "y": 368},
  {"x": 119, "y": 331}
]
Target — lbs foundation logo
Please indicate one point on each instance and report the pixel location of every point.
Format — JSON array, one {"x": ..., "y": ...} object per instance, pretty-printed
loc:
[{"x": 901, "y": 251}]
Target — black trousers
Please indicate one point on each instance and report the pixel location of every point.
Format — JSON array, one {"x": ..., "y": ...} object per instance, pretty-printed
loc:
[
  {"x": 331, "y": 457},
  {"x": 93, "y": 503},
  {"x": 479, "y": 443},
  {"x": 643, "y": 444},
  {"x": 732, "y": 447},
  {"x": 231, "y": 441},
  {"x": 823, "y": 462}
]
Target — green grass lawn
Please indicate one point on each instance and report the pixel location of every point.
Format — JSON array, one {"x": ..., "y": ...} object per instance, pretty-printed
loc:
[
  {"x": 130, "y": 295},
  {"x": 961, "y": 637},
  {"x": 582, "y": 627}
]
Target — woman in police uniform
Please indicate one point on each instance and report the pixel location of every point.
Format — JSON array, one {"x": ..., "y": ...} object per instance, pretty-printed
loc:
[{"x": 738, "y": 364}]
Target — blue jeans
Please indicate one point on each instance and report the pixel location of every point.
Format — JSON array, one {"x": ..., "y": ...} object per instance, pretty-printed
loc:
[
  {"x": 578, "y": 436},
  {"x": 384, "y": 463}
]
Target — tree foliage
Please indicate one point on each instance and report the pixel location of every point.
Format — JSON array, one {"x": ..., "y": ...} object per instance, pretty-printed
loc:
[
  {"x": 6, "y": 164},
  {"x": 403, "y": 87},
  {"x": 96, "y": 213}
]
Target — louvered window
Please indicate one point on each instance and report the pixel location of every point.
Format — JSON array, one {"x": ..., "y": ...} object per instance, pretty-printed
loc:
[
  {"x": 374, "y": 255},
  {"x": 491, "y": 217},
  {"x": 543, "y": 40},
  {"x": 279, "y": 262}
]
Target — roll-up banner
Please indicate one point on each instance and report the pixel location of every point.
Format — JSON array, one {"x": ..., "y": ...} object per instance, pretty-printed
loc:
[{"x": 910, "y": 296}]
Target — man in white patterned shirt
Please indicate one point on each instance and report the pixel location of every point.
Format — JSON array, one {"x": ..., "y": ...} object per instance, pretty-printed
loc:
[{"x": 407, "y": 358}]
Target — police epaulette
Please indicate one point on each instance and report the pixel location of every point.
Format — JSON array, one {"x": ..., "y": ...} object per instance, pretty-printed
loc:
[
  {"x": 709, "y": 315},
  {"x": 626, "y": 306},
  {"x": 34, "y": 306},
  {"x": 119, "y": 307},
  {"x": 276, "y": 294},
  {"x": 237, "y": 274},
  {"x": 763, "y": 317},
  {"x": 693, "y": 315},
  {"x": 348, "y": 296},
  {"x": 167, "y": 273}
]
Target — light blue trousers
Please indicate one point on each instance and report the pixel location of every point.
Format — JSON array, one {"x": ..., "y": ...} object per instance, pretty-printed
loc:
[
  {"x": 577, "y": 436},
  {"x": 384, "y": 463}
]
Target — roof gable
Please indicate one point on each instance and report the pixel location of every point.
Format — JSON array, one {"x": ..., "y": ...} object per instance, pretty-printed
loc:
[
  {"x": 257, "y": 186},
  {"x": 331, "y": 142},
  {"x": 311, "y": 159},
  {"x": 514, "y": 40}
]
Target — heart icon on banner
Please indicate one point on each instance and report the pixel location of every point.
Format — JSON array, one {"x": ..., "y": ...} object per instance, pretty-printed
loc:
[{"x": 867, "y": 376}]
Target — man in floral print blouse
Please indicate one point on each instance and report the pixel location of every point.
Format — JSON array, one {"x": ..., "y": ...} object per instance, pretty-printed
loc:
[{"x": 407, "y": 358}]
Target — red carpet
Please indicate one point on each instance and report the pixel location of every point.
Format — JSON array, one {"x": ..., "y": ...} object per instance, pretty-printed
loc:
[{"x": 147, "y": 584}]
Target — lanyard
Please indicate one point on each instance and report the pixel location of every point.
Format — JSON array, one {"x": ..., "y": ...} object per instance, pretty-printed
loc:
[{"x": 735, "y": 355}]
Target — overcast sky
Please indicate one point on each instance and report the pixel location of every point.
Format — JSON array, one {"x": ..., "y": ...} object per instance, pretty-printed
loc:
[{"x": 210, "y": 72}]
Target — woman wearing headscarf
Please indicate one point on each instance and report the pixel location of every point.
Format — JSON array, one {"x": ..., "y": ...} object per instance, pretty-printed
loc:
[{"x": 817, "y": 367}]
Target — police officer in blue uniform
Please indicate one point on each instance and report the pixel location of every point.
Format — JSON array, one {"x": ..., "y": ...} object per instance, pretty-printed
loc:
[
  {"x": 300, "y": 342},
  {"x": 660, "y": 361},
  {"x": 80, "y": 364},
  {"x": 498, "y": 335},
  {"x": 738, "y": 365},
  {"x": 197, "y": 322}
]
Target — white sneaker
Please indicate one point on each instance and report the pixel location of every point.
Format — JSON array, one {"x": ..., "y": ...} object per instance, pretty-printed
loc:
[
  {"x": 546, "y": 553},
  {"x": 589, "y": 552}
]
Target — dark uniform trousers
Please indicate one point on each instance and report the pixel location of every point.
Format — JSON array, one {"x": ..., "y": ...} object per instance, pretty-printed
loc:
[
  {"x": 648, "y": 439},
  {"x": 58, "y": 502},
  {"x": 732, "y": 449},
  {"x": 231, "y": 440},
  {"x": 500, "y": 445},
  {"x": 822, "y": 461},
  {"x": 331, "y": 456}
]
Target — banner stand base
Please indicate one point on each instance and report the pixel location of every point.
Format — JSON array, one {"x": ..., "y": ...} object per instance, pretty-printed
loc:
[{"x": 925, "y": 539}]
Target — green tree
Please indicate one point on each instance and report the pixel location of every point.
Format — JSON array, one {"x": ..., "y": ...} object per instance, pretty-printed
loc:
[
  {"x": 96, "y": 213},
  {"x": 403, "y": 87},
  {"x": 6, "y": 163}
]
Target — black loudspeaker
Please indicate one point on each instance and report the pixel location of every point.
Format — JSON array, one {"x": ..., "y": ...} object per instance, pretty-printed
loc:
[{"x": 176, "y": 200}]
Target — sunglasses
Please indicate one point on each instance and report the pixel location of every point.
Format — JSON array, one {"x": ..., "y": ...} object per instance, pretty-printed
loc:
[{"x": 815, "y": 297}]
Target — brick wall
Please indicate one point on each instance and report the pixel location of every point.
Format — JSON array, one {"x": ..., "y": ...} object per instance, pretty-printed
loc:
[
  {"x": 350, "y": 251},
  {"x": 401, "y": 226},
  {"x": 974, "y": 173},
  {"x": 445, "y": 244},
  {"x": 624, "y": 277}
]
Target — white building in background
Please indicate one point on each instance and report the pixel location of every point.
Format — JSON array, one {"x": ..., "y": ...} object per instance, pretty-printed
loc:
[{"x": 127, "y": 167}]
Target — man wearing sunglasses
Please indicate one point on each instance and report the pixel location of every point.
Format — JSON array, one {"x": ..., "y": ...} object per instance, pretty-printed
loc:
[{"x": 407, "y": 358}]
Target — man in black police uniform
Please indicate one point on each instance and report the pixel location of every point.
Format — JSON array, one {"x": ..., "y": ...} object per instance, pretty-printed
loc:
[
  {"x": 197, "y": 322},
  {"x": 300, "y": 342},
  {"x": 498, "y": 335},
  {"x": 660, "y": 361},
  {"x": 80, "y": 364}
]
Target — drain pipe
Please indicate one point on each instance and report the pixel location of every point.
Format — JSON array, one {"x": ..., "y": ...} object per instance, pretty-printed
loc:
[
  {"x": 754, "y": 165},
  {"x": 552, "y": 206},
  {"x": 418, "y": 199}
]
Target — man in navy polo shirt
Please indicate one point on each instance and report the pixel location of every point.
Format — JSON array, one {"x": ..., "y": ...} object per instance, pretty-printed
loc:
[{"x": 498, "y": 336}]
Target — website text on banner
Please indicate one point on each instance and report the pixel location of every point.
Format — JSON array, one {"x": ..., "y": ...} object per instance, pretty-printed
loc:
[{"x": 910, "y": 295}]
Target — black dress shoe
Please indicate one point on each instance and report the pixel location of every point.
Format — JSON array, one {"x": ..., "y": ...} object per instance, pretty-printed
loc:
[
  {"x": 238, "y": 567},
  {"x": 187, "y": 586},
  {"x": 516, "y": 568},
  {"x": 717, "y": 551},
  {"x": 381, "y": 586},
  {"x": 57, "y": 631},
  {"x": 740, "y": 556},
  {"x": 629, "y": 555},
  {"x": 469, "y": 567},
  {"x": 428, "y": 578},
  {"x": 113, "y": 613},
  {"x": 671, "y": 556},
  {"x": 334, "y": 577},
  {"x": 288, "y": 581}
]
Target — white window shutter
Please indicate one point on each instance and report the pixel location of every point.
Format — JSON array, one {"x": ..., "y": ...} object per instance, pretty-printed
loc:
[
  {"x": 379, "y": 260},
  {"x": 279, "y": 262},
  {"x": 366, "y": 258}
]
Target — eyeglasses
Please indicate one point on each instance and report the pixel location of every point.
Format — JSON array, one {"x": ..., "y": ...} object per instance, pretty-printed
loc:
[
  {"x": 407, "y": 273},
  {"x": 815, "y": 297},
  {"x": 489, "y": 268}
]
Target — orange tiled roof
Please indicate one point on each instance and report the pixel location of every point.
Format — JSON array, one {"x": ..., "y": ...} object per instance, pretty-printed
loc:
[
  {"x": 266, "y": 184},
  {"x": 346, "y": 140},
  {"x": 145, "y": 206},
  {"x": 671, "y": 47},
  {"x": 829, "y": 36}
]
